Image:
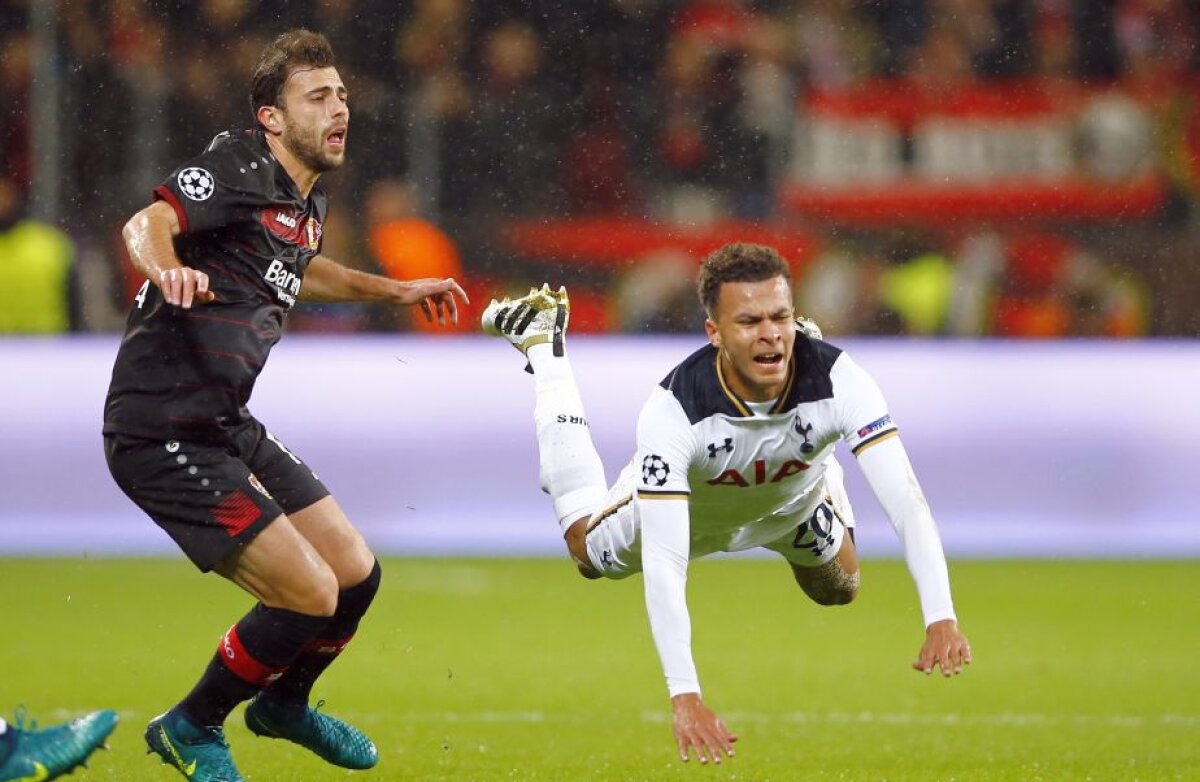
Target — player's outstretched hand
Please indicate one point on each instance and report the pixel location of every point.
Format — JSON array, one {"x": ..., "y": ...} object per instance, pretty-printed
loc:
[
  {"x": 184, "y": 285},
  {"x": 432, "y": 293},
  {"x": 698, "y": 730},
  {"x": 945, "y": 647}
]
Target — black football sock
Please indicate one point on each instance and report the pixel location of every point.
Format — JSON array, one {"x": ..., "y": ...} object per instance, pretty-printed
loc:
[
  {"x": 254, "y": 653},
  {"x": 295, "y": 686}
]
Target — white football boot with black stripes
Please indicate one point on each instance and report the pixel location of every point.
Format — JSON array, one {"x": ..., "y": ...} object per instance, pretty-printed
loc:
[{"x": 535, "y": 319}]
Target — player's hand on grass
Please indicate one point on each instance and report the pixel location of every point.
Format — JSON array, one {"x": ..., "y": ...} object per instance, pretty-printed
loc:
[
  {"x": 945, "y": 647},
  {"x": 698, "y": 730},
  {"x": 184, "y": 285},
  {"x": 433, "y": 293}
]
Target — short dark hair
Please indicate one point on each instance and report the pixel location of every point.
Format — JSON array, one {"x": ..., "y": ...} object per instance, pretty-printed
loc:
[
  {"x": 289, "y": 52},
  {"x": 738, "y": 262}
]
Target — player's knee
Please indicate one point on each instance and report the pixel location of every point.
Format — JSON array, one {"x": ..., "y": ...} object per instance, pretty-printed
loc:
[
  {"x": 576, "y": 539},
  {"x": 834, "y": 595},
  {"x": 829, "y": 584},
  {"x": 317, "y": 596},
  {"x": 325, "y": 597},
  {"x": 586, "y": 570},
  {"x": 359, "y": 565}
]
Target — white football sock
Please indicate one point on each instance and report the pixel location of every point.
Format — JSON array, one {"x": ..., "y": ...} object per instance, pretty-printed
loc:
[{"x": 571, "y": 470}]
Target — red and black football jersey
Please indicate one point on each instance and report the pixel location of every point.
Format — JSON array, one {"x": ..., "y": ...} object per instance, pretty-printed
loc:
[{"x": 188, "y": 374}]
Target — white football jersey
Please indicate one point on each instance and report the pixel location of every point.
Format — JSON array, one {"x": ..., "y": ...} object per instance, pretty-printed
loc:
[{"x": 746, "y": 476}]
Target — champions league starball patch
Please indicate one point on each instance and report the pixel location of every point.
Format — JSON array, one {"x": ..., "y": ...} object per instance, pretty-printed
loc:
[
  {"x": 196, "y": 183},
  {"x": 655, "y": 470}
]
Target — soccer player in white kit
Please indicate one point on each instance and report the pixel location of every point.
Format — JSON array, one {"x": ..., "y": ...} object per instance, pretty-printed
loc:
[{"x": 735, "y": 450}]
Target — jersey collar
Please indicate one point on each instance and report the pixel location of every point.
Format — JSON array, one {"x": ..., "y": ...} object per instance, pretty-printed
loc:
[{"x": 740, "y": 404}]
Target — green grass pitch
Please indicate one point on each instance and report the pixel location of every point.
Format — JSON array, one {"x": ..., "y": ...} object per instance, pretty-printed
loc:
[{"x": 520, "y": 670}]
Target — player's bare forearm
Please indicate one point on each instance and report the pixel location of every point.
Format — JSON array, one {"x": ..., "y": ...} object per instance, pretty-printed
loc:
[
  {"x": 697, "y": 729},
  {"x": 328, "y": 280},
  {"x": 149, "y": 236},
  {"x": 945, "y": 647}
]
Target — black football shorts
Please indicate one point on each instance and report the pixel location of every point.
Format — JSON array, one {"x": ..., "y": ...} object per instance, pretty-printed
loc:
[{"x": 213, "y": 499}]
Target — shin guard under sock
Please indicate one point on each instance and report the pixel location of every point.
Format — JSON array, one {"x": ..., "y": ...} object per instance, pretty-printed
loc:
[{"x": 295, "y": 686}]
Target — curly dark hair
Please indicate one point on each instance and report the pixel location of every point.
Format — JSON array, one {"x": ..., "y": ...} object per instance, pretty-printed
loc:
[
  {"x": 738, "y": 262},
  {"x": 291, "y": 51}
]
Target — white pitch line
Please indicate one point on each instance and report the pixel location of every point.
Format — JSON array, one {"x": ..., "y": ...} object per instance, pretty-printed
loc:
[
  {"x": 1009, "y": 719},
  {"x": 1004, "y": 719},
  {"x": 950, "y": 720}
]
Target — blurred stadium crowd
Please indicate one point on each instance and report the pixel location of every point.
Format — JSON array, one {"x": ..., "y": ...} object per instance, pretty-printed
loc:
[{"x": 1022, "y": 168}]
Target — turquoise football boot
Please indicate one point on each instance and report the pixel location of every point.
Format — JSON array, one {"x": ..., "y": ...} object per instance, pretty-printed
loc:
[
  {"x": 201, "y": 754},
  {"x": 331, "y": 739},
  {"x": 49, "y": 753}
]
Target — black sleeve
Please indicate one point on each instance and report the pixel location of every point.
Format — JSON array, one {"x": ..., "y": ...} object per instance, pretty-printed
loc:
[{"x": 226, "y": 184}]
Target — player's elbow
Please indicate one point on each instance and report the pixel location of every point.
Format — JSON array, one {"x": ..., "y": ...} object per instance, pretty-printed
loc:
[
  {"x": 134, "y": 228},
  {"x": 138, "y": 229},
  {"x": 156, "y": 220}
]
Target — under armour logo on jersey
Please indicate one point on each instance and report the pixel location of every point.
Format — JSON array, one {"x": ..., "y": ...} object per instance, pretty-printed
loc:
[
  {"x": 804, "y": 430},
  {"x": 196, "y": 183},
  {"x": 727, "y": 447}
]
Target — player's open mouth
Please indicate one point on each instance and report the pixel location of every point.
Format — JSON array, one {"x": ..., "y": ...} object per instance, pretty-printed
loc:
[
  {"x": 769, "y": 359},
  {"x": 337, "y": 138}
]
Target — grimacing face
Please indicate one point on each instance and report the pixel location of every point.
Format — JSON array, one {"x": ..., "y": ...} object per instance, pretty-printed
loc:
[
  {"x": 316, "y": 118},
  {"x": 753, "y": 327}
]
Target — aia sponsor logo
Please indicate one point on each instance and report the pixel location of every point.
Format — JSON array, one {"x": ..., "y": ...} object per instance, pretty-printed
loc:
[{"x": 762, "y": 473}]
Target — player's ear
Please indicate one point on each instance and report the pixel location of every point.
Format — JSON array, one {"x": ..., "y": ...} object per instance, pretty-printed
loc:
[
  {"x": 270, "y": 118},
  {"x": 710, "y": 328}
]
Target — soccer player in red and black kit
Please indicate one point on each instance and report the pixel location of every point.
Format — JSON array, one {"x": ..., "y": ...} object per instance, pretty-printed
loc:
[{"x": 230, "y": 243}]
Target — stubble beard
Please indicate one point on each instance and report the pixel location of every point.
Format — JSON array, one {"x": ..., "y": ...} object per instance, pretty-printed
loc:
[{"x": 308, "y": 151}]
